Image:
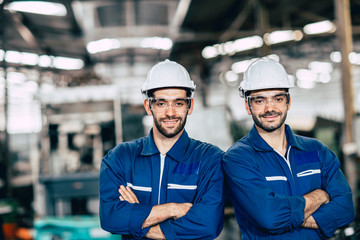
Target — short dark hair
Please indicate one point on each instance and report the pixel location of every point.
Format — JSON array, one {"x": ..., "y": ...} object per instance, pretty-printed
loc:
[
  {"x": 150, "y": 93},
  {"x": 247, "y": 93}
]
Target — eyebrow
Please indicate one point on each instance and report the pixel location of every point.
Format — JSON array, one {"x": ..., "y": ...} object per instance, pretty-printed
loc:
[
  {"x": 170, "y": 98},
  {"x": 276, "y": 95}
]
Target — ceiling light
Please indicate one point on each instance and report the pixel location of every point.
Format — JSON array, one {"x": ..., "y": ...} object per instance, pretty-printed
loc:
[
  {"x": 231, "y": 76},
  {"x": 232, "y": 47},
  {"x": 29, "y": 58},
  {"x": 103, "y": 45},
  {"x": 321, "y": 67},
  {"x": 13, "y": 56},
  {"x": 240, "y": 67},
  {"x": 354, "y": 58},
  {"x": 336, "y": 56},
  {"x": 45, "y": 61},
  {"x": 248, "y": 43},
  {"x": 209, "y": 52},
  {"x": 319, "y": 27},
  {"x": 324, "y": 77},
  {"x": 157, "y": 43},
  {"x": 38, "y": 7},
  {"x": 282, "y": 36},
  {"x": 68, "y": 63}
]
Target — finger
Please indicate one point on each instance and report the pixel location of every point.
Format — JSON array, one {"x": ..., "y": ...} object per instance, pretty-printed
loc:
[
  {"x": 132, "y": 194},
  {"x": 123, "y": 194},
  {"x": 127, "y": 195},
  {"x": 121, "y": 198}
]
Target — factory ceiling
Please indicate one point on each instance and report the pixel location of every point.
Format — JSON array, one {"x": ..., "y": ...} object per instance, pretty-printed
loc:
[{"x": 190, "y": 24}]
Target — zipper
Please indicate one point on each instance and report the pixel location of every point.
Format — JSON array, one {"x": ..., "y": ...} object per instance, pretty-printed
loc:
[
  {"x": 287, "y": 160},
  {"x": 162, "y": 163}
]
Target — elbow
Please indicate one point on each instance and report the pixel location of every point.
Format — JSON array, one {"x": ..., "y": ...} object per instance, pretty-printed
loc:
[{"x": 271, "y": 222}]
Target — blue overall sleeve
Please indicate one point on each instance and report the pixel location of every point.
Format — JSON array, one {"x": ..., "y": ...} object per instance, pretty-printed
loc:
[
  {"x": 340, "y": 210},
  {"x": 119, "y": 217},
  {"x": 205, "y": 218},
  {"x": 255, "y": 200}
]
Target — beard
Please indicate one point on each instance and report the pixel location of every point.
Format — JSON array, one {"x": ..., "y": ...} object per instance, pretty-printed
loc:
[
  {"x": 269, "y": 127},
  {"x": 172, "y": 132}
]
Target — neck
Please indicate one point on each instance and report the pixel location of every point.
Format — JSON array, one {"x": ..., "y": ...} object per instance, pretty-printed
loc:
[
  {"x": 163, "y": 143},
  {"x": 276, "y": 139}
]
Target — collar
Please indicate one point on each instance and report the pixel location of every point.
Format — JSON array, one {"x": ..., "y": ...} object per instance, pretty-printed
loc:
[
  {"x": 261, "y": 145},
  {"x": 177, "y": 152}
]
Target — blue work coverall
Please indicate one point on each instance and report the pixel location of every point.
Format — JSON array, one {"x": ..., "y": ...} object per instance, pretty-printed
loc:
[
  {"x": 266, "y": 191},
  {"x": 191, "y": 173}
]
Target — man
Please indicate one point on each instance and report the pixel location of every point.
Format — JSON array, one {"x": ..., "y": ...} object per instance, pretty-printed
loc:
[
  {"x": 170, "y": 186},
  {"x": 282, "y": 186}
]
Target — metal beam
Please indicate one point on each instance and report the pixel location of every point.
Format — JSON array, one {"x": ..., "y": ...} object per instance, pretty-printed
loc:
[
  {"x": 238, "y": 22},
  {"x": 24, "y": 31},
  {"x": 346, "y": 45}
]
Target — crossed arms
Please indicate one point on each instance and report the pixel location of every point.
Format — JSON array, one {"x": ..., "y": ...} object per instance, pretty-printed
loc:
[
  {"x": 158, "y": 214},
  {"x": 325, "y": 209},
  {"x": 313, "y": 201}
]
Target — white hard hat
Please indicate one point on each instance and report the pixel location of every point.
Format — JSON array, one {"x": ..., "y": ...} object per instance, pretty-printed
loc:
[
  {"x": 167, "y": 74},
  {"x": 265, "y": 73}
]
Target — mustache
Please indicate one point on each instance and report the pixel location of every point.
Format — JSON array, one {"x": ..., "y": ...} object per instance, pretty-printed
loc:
[
  {"x": 270, "y": 114},
  {"x": 170, "y": 118}
]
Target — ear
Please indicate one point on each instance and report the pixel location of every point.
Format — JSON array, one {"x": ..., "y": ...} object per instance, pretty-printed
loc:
[
  {"x": 289, "y": 102},
  {"x": 248, "y": 110},
  {"x": 191, "y": 107},
  {"x": 146, "y": 106}
]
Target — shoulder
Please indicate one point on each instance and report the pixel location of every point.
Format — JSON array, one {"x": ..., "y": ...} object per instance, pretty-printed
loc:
[
  {"x": 204, "y": 147},
  {"x": 126, "y": 149},
  {"x": 242, "y": 146},
  {"x": 309, "y": 143}
]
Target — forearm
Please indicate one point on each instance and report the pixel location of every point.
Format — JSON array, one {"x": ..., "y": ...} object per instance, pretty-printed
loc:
[
  {"x": 158, "y": 214},
  {"x": 313, "y": 201},
  {"x": 155, "y": 233},
  {"x": 310, "y": 223},
  {"x": 162, "y": 212}
]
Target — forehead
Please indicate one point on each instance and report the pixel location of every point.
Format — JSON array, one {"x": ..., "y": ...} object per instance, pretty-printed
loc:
[
  {"x": 267, "y": 92},
  {"x": 170, "y": 92}
]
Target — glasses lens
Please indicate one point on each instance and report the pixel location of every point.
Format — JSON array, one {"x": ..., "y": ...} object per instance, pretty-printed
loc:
[
  {"x": 161, "y": 104},
  {"x": 260, "y": 102}
]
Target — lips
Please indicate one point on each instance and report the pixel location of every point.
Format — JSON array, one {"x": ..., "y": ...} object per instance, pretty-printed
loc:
[{"x": 172, "y": 121}]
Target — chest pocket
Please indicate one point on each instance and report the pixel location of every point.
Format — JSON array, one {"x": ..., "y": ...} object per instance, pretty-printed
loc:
[
  {"x": 182, "y": 182},
  {"x": 308, "y": 171}
]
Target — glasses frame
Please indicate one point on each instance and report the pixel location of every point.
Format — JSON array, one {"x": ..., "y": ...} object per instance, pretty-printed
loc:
[
  {"x": 169, "y": 103},
  {"x": 251, "y": 98}
]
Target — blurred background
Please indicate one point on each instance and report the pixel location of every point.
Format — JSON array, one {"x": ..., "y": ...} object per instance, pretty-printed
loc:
[{"x": 70, "y": 79}]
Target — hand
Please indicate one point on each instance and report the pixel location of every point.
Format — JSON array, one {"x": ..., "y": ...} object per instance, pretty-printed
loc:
[
  {"x": 314, "y": 200},
  {"x": 126, "y": 194},
  {"x": 180, "y": 209},
  {"x": 310, "y": 223}
]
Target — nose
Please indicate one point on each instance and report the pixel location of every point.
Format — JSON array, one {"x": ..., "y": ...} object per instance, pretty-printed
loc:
[
  {"x": 170, "y": 111},
  {"x": 269, "y": 104}
]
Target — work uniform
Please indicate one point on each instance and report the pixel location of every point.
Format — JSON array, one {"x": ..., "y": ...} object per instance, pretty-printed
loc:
[
  {"x": 266, "y": 188},
  {"x": 189, "y": 172}
]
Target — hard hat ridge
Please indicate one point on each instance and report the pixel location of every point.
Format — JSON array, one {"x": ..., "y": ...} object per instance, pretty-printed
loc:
[
  {"x": 265, "y": 73},
  {"x": 167, "y": 74}
]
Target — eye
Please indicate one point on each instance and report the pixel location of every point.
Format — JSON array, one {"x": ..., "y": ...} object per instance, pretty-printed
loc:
[
  {"x": 180, "y": 102},
  {"x": 258, "y": 100},
  {"x": 280, "y": 98},
  {"x": 160, "y": 103}
]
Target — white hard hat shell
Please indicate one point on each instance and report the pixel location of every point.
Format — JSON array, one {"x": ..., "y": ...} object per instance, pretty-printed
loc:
[
  {"x": 265, "y": 73},
  {"x": 167, "y": 74}
]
